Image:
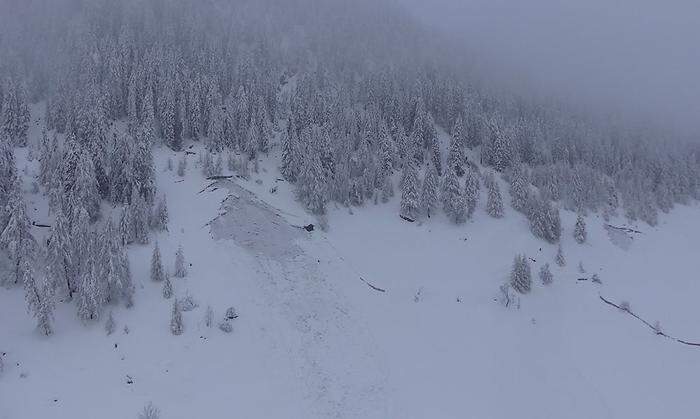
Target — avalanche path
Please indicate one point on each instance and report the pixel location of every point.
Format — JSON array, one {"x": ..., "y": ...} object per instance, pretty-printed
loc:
[{"x": 333, "y": 351}]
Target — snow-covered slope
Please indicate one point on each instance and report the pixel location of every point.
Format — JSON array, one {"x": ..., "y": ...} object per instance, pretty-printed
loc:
[{"x": 314, "y": 340}]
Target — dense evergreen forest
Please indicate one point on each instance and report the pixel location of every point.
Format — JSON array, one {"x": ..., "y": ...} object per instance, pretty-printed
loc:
[{"x": 356, "y": 95}]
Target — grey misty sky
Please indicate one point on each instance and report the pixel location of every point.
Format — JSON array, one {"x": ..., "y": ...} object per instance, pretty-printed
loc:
[{"x": 639, "y": 57}]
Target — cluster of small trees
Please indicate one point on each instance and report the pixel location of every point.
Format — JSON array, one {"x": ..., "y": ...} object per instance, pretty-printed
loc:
[
  {"x": 521, "y": 275},
  {"x": 78, "y": 174},
  {"x": 81, "y": 259}
]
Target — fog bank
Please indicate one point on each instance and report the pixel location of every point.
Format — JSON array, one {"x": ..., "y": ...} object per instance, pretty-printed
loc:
[{"x": 636, "y": 57}]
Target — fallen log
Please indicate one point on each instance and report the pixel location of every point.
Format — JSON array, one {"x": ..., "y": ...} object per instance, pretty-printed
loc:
[
  {"x": 409, "y": 219},
  {"x": 207, "y": 187},
  {"x": 220, "y": 177},
  {"x": 649, "y": 325},
  {"x": 372, "y": 286},
  {"x": 625, "y": 229}
]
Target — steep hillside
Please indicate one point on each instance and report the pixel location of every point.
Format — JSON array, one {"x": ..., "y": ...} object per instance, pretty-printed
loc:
[
  {"x": 376, "y": 317},
  {"x": 310, "y": 209}
]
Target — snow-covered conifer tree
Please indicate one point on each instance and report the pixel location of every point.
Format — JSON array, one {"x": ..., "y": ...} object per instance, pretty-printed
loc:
[
  {"x": 215, "y": 131},
  {"x": 59, "y": 255},
  {"x": 139, "y": 216},
  {"x": 544, "y": 218},
  {"x": 452, "y": 199},
  {"x": 142, "y": 170},
  {"x": 494, "y": 203},
  {"x": 519, "y": 191},
  {"x": 48, "y": 159},
  {"x": 16, "y": 237},
  {"x": 85, "y": 188},
  {"x": 243, "y": 169},
  {"x": 116, "y": 269},
  {"x": 208, "y": 165},
  {"x": 90, "y": 292},
  {"x": 580, "y": 234},
  {"x": 39, "y": 298},
  {"x": 126, "y": 229},
  {"x": 218, "y": 165},
  {"x": 290, "y": 163},
  {"x": 429, "y": 192},
  {"x": 180, "y": 267},
  {"x": 387, "y": 152},
  {"x": 410, "y": 203},
  {"x": 167, "y": 287},
  {"x": 471, "y": 191},
  {"x": 121, "y": 175},
  {"x": 561, "y": 261},
  {"x": 166, "y": 107},
  {"x": 176, "y": 323},
  {"x": 182, "y": 166},
  {"x": 148, "y": 117},
  {"x": 388, "y": 189},
  {"x": 157, "y": 271},
  {"x": 520, "y": 278},
  {"x": 456, "y": 156},
  {"x": 546, "y": 274},
  {"x": 311, "y": 183},
  {"x": 159, "y": 219}
]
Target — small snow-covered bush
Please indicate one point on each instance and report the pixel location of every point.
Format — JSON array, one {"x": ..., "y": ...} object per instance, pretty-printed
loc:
[
  {"x": 231, "y": 313},
  {"x": 209, "y": 317},
  {"x": 110, "y": 326},
  {"x": 545, "y": 274},
  {"x": 508, "y": 297},
  {"x": 149, "y": 412},
  {"x": 188, "y": 303},
  {"x": 226, "y": 326},
  {"x": 560, "y": 259}
]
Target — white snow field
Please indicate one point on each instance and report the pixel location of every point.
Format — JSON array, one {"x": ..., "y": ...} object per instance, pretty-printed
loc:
[{"x": 314, "y": 340}]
